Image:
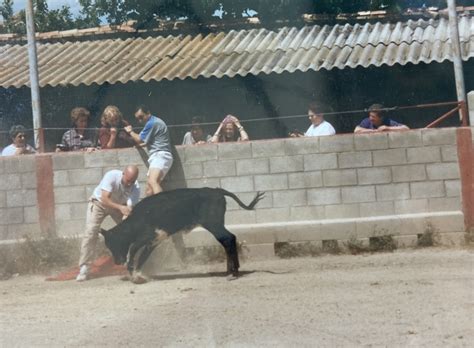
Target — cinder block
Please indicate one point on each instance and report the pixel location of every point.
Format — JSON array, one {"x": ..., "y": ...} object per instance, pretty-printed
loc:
[
  {"x": 3, "y": 216},
  {"x": 90, "y": 176},
  {"x": 63, "y": 212},
  {"x": 252, "y": 166},
  {"x": 28, "y": 180},
  {"x": 358, "y": 194},
  {"x": 427, "y": 189},
  {"x": 79, "y": 210},
  {"x": 72, "y": 228},
  {"x": 2, "y": 166},
  {"x": 13, "y": 216},
  {"x": 60, "y": 178},
  {"x": 18, "y": 231},
  {"x": 449, "y": 153},
  {"x": 445, "y": 204},
  {"x": 238, "y": 150},
  {"x": 408, "y": 241},
  {"x": 30, "y": 215},
  {"x": 28, "y": 163},
  {"x": 130, "y": 156},
  {"x": 192, "y": 170},
  {"x": 10, "y": 182},
  {"x": 336, "y": 143},
  {"x": 286, "y": 164},
  {"x": 204, "y": 182},
  {"x": 70, "y": 194},
  {"x": 341, "y": 211},
  {"x": 426, "y": 154},
  {"x": 320, "y": 161},
  {"x": 4, "y": 233},
  {"x": 301, "y": 146},
  {"x": 377, "y": 208},
  {"x": 215, "y": 169},
  {"x": 305, "y": 180},
  {"x": 392, "y": 192},
  {"x": 413, "y": 172},
  {"x": 389, "y": 157},
  {"x": 11, "y": 164},
  {"x": 406, "y": 139},
  {"x": 315, "y": 212},
  {"x": 338, "y": 229},
  {"x": 31, "y": 198},
  {"x": 68, "y": 160},
  {"x": 259, "y": 251},
  {"x": 268, "y": 148},
  {"x": 452, "y": 239},
  {"x": 273, "y": 214},
  {"x": 3, "y": 199},
  {"x": 439, "y": 136},
  {"x": 271, "y": 182},
  {"x": 364, "y": 142},
  {"x": 324, "y": 196},
  {"x": 379, "y": 175},
  {"x": 355, "y": 159},
  {"x": 378, "y": 226},
  {"x": 340, "y": 177},
  {"x": 408, "y": 206},
  {"x": 438, "y": 171},
  {"x": 17, "y": 198},
  {"x": 289, "y": 198},
  {"x": 453, "y": 188},
  {"x": 447, "y": 221},
  {"x": 200, "y": 153},
  {"x": 101, "y": 159},
  {"x": 234, "y": 217},
  {"x": 239, "y": 184}
]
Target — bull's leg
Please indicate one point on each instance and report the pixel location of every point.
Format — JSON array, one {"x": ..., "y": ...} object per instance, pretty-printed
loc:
[
  {"x": 147, "y": 250},
  {"x": 132, "y": 252},
  {"x": 229, "y": 242}
]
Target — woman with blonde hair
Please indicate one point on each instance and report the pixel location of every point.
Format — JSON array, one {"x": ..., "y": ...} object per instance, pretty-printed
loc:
[{"x": 112, "y": 134}]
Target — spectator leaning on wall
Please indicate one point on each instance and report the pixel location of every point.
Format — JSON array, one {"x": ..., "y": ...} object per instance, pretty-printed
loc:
[
  {"x": 197, "y": 135},
  {"x": 18, "y": 145},
  {"x": 319, "y": 126},
  {"x": 378, "y": 122},
  {"x": 78, "y": 138}
]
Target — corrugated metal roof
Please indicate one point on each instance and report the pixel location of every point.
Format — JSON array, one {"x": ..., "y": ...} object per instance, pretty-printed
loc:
[{"x": 233, "y": 53}]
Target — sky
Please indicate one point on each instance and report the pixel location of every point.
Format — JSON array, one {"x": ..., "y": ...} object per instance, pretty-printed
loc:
[{"x": 52, "y": 5}]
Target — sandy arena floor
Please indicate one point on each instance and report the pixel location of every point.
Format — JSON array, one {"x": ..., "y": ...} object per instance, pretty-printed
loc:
[{"x": 415, "y": 297}]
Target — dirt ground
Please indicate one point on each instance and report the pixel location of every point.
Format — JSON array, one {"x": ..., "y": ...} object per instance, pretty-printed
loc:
[{"x": 415, "y": 297}]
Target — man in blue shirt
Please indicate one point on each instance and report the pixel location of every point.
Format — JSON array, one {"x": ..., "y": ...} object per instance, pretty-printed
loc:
[
  {"x": 155, "y": 137},
  {"x": 378, "y": 122}
]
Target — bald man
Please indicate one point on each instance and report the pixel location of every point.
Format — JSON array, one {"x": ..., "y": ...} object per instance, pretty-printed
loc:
[{"x": 115, "y": 196}]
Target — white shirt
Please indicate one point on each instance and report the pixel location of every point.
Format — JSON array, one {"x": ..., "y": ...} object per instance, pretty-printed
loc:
[
  {"x": 10, "y": 150},
  {"x": 324, "y": 128},
  {"x": 112, "y": 182}
]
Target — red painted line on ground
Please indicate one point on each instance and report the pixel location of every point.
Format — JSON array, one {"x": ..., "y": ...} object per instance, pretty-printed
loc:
[{"x": 466, "y": 166}]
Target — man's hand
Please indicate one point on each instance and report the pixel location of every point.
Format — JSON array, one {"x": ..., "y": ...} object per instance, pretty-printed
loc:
[
  {"x": 125, "y": 210},
  {"x": 128, "y": 129}
]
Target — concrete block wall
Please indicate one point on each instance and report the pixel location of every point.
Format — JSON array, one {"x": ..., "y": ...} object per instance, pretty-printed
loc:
[
  {"x": 18, "y": 198},
  {"x": 317, "y": 189}
]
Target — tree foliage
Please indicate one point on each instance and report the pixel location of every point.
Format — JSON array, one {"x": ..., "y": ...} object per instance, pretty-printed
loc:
[{"x": 148, "y": 13}]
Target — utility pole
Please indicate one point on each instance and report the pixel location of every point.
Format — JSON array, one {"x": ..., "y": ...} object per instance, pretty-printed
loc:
[
  {"x": 34, "y": 84},
  {"x": 457, "y": 58}
]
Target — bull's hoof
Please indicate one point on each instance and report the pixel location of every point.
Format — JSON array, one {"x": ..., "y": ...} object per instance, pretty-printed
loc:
[{"x": 138, "y": 280}]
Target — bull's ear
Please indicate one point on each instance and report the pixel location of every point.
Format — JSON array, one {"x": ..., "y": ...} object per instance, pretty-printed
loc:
[{"x": 104, "y": 232}]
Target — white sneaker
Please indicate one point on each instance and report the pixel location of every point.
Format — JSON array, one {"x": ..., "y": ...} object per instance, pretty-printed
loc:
[{"x": 83, "y": 272}]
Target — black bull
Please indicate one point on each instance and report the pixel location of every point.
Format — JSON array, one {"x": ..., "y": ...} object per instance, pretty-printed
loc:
[{"x": 172, "y": 212}]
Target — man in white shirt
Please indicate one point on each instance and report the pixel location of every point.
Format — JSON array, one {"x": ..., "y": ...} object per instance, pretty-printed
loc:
[
  {"x": 115, "y": 196},
  {"x": 18, "y": 145}
]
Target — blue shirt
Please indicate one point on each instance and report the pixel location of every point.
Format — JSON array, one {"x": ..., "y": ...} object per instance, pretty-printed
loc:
[
  {"x": 155, "y": 135},
  {"x": 386, "y": 122}
]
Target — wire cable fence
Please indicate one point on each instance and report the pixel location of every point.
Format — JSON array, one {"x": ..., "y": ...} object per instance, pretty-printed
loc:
[{"x": 178, "y": 129}]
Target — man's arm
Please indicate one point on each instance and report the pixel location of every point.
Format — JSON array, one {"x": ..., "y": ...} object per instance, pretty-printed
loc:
[
  {"x": 361, "y": 130},
  {"x": 136, "y": 137},
  {"x": 106, "y": 200},
  {"x": 399, "y": 128}
]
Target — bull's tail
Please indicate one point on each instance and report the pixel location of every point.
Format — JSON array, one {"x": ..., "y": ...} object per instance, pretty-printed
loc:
[{"x": 258, "y": 197}]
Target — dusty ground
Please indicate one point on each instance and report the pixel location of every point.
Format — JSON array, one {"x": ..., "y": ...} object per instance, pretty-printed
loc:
[{"x": 417, "y": 298}]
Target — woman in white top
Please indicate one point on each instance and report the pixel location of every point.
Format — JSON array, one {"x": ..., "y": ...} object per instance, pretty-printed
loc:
[
  {"x": 18, "y": 145},
  {"x": 319, "y": 127}
]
